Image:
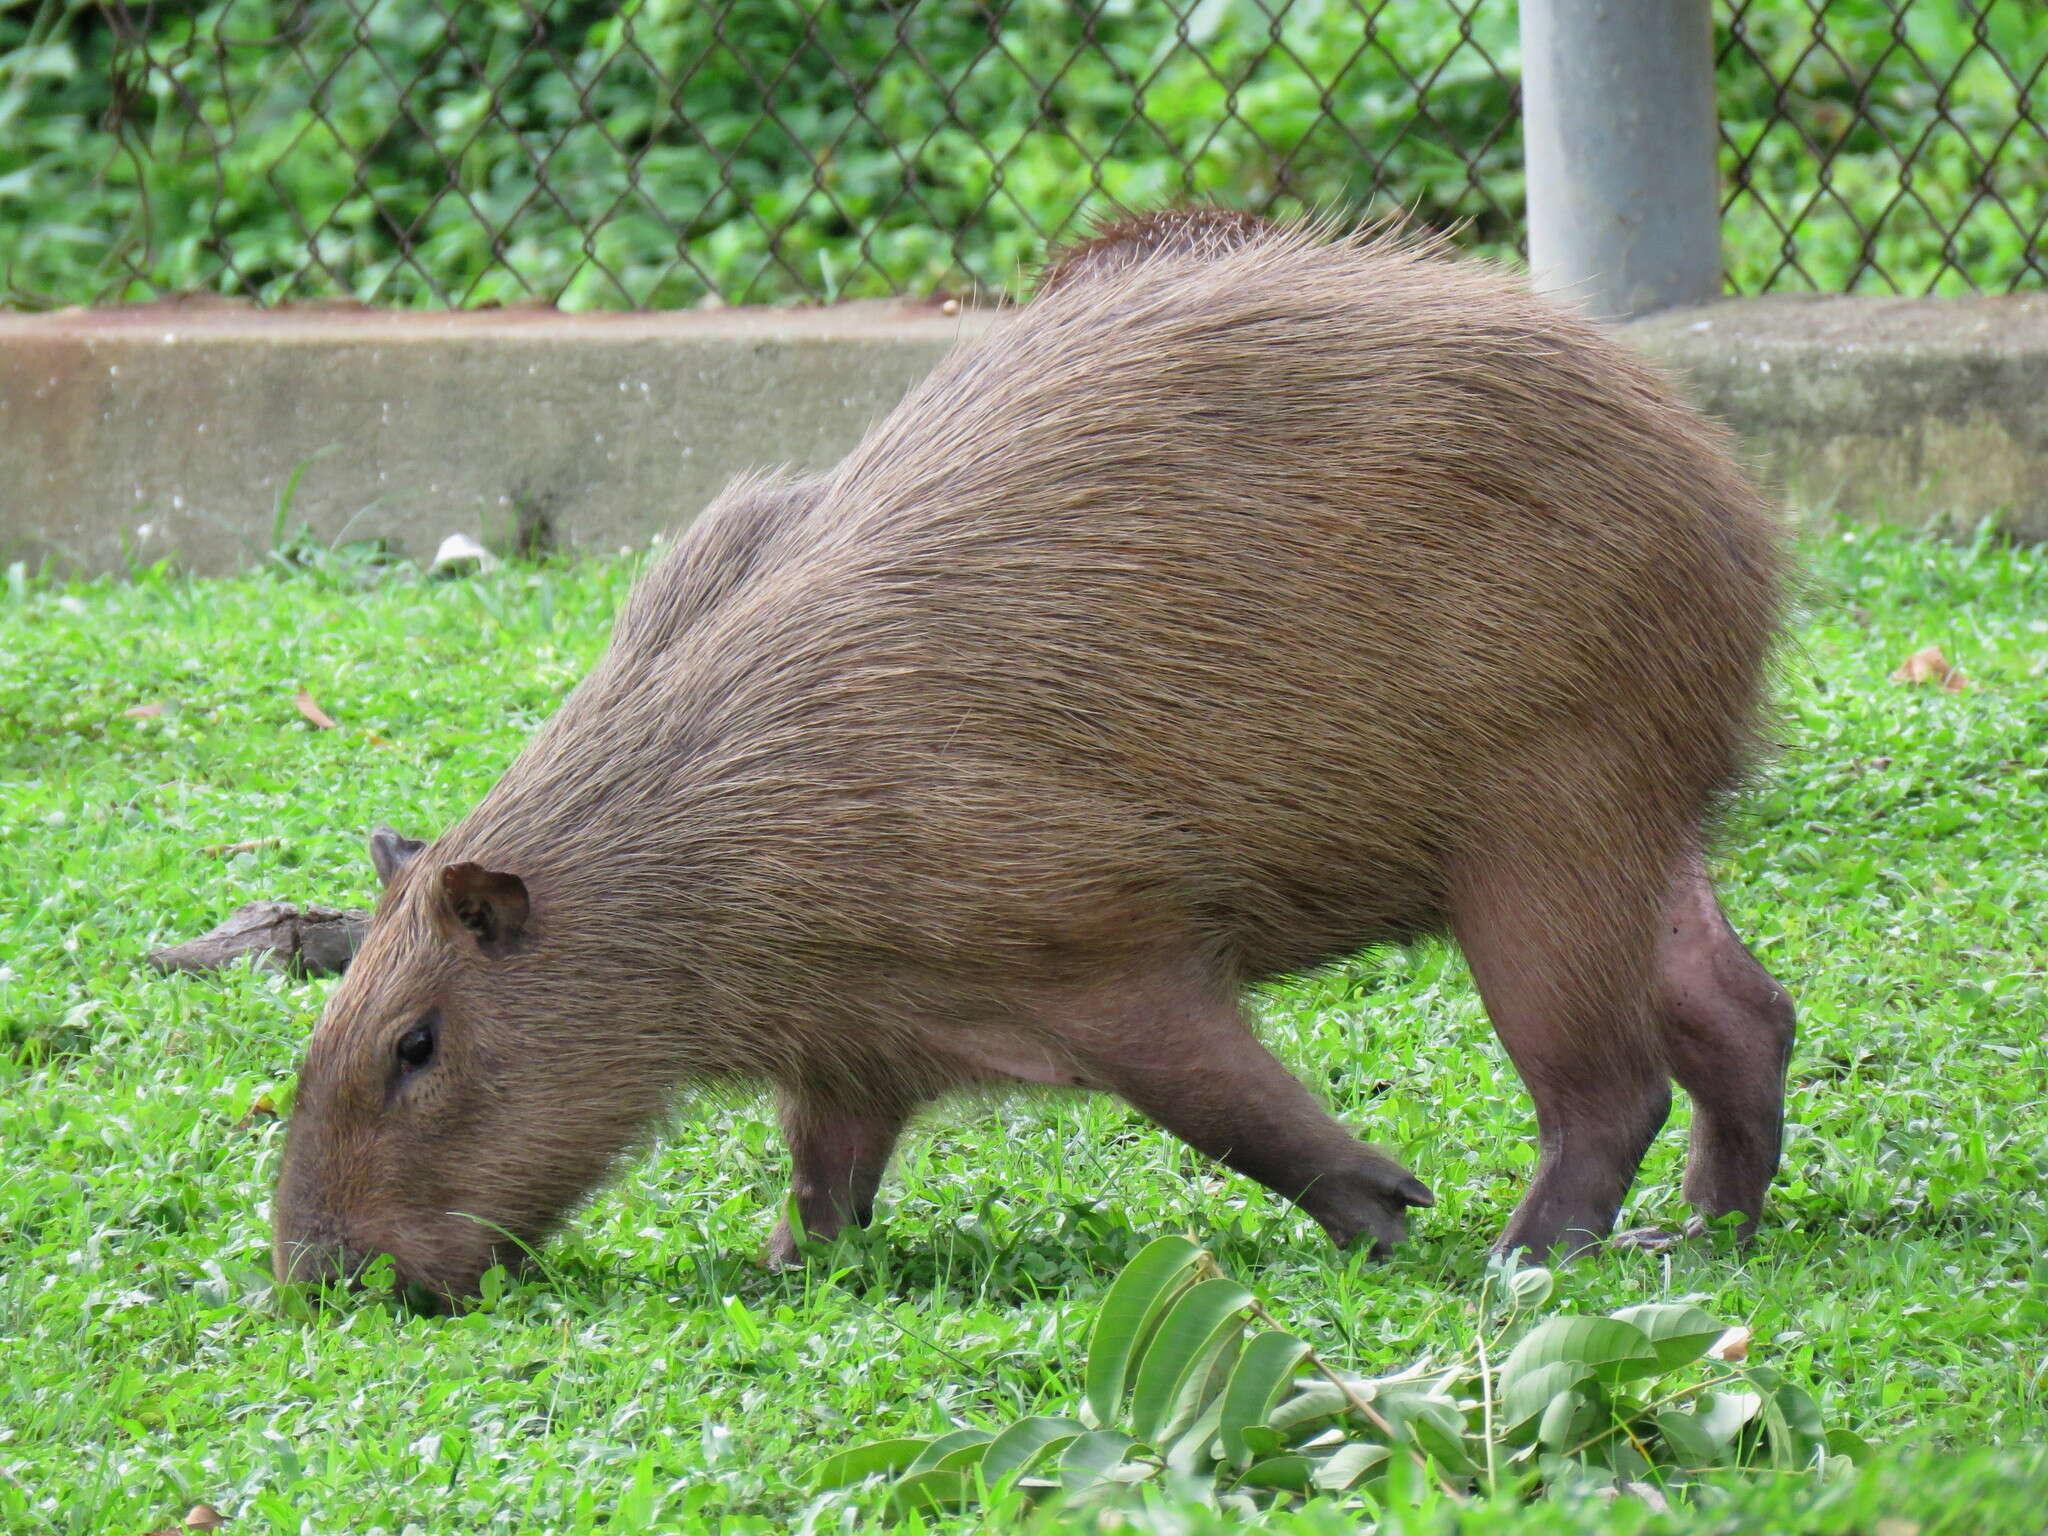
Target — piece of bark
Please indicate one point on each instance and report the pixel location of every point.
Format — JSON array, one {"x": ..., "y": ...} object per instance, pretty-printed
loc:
[{"x": 307, "y": 941}]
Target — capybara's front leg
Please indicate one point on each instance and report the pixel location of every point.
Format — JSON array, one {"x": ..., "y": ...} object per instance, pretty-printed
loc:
[
  {"x": 1181, "y": 1053},
  {"x": 837, "y": 1156}
]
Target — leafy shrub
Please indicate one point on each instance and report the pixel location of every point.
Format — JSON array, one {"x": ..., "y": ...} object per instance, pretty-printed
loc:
[
  {"x": 760, "y": 149},
  {"x": 1193, "y": 1389},
  {"x": 661, "y": 151}
]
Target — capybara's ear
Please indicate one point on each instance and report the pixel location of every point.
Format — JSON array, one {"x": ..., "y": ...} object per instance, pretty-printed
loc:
[
  {"x": 490, "y": 904},
  {"x": 390, "y": 852}
]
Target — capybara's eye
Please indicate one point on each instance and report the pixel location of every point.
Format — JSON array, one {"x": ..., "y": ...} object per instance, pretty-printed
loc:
[{"x": 416, "y": 1045}]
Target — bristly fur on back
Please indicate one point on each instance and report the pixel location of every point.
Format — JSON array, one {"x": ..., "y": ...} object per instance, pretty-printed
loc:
[
  {"x": 1122, "y": 240},
  {"x": 1221, "y": 595}
]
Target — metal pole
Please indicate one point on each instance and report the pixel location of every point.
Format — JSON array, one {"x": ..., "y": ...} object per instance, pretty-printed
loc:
[{"x": 1618, "y": 120}]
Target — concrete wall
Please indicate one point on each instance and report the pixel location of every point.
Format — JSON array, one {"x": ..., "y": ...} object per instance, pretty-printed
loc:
[
  {"x": 160, "y": 429},
  {"x": 173, "y": 430},
  {"x": 1903, "y": 410}
]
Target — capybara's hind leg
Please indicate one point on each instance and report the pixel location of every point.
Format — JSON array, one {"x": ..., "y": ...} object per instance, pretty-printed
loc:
[
  {"x": 1728, "y": 1030},
  {"x": 837, "y": 1156},
  {"x": 1560, "y": 941},
  {"x": 1181, "y": 1053}
]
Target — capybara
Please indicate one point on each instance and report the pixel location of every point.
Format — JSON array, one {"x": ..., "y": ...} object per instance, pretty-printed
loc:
[
  {"x": 1239, "y": 603},
  {"x": 1117, "y": 244}
]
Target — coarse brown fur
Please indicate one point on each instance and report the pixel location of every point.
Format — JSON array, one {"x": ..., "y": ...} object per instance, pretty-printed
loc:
[
  {"x": 1238, "y": 604},
  {"x": 1126, "y": 240}
]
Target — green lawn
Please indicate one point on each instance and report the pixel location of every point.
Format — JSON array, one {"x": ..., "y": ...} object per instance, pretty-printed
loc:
[{"x": 1891, "y": 871}]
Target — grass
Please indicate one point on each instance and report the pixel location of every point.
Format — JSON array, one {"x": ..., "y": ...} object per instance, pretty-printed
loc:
[{"x": 1890, "y": 871}]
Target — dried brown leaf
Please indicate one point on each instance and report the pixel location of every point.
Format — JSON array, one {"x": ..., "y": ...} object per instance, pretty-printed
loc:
[
  {"x": 1929, "y": 665},
  {"x": 204, "y": 1517},
  {"x": 316, "y": 717},
  {"x": 261, "y": 1109},
  {"x": 1732, "y": 1346},
  {"x": 247, "y": 845}
]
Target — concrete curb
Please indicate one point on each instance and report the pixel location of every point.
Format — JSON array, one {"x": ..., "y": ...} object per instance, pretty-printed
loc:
[
  {"x": 160, "y": 430},
  {"x": 1910, "y": 411},
  {"x": 173, "y": 430}
]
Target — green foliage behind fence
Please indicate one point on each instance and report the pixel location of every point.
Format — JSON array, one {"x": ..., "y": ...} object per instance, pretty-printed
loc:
[{"x": 652, "y": 153}]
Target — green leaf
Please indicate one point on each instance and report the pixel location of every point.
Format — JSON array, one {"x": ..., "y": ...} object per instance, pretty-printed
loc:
[
  {"x": 1129, "y": 1312},
  {"x": 1563, "y": 1474},
  {"x": 1317, "y": 1400},
  {"x": 932, "y": 1489},
  {"x": 1188, "y": 1487},
  {"x": 1724, "y": 1413},
  {"x": 1679, "y": 1334},
  {"x": 1703, "y": 1436},
  {"x": 1846, "y": 1442},
  {"x": 1794, "y": 1424},
  {"x": 1016, "y": 1448},
  {"x": 864, "y": 1461},
  {"x": 1621, "y": 1457},
  {"x": 1523, "y": 1402},
  {"x": 1264, "y": 1371},
  {"x": 1569, "y": 1419},
  {"x": 1294, "y": 1474},
  {"x": 1092, "y": 1457},
  {"x": 1407, "y": 1480},
  {"x": 1439, "y": 1428},
  {"x": 1528, "y": 1289},
  {"x": 1186, "y": 1340},
  {"x": 962, "y": 1457},
  {"x": 1191, "y": 1449},
  {"x": 1802, "y": 1413},
  {"x": 1263, "y": 1441},
  {"x": 1616, "y": 1351},
  {"x": 1349, "y": 1465},
  {"x": 938, "y": 1452},
  {"x": 1689, "y": 1440}
]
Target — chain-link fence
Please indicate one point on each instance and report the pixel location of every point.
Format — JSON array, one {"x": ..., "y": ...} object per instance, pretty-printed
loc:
[
  {"x": 1894, "y": 146},
  {"x": 673, "y": 152}
]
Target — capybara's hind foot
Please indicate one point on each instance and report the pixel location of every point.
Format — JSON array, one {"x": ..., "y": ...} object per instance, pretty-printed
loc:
[
  {"x": 1367, "y": 1207},
  {"x": 1728, "y": 1030}
]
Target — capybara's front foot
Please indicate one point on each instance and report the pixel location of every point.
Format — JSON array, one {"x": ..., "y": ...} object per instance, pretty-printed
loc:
[
  {"x": 784, "y": 1250},
  {"x": 1367, "y": 1206}
]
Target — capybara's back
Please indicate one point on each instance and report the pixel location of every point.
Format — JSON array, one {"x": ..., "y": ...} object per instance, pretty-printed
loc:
[{"x": 1226, "y": 610}]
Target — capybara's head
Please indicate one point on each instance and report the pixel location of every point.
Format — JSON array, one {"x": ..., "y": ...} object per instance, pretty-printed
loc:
[{"x": 439, "y": 1118}]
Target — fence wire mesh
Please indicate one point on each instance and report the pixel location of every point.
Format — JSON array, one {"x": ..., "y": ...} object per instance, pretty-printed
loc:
[
  {"x": 1889, "y": 145},
  {"x": 674, "y": 152}
]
